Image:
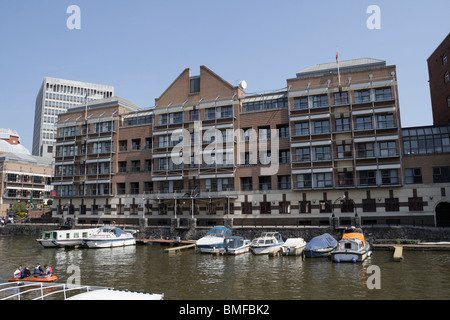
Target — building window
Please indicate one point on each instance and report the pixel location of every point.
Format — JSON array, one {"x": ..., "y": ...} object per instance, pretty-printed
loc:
[
  {"x": 441, "y": 174},
  {"x": 302, "y": 154},
  {"x": 265, "y": 207},
  {"x": 284, "y": 207},
  {"x": 301, "y": 129},
  {"x": 383, "y": 94},
  {"x": 389, "y": 176},
  {"x": 301, "y": 103},
  {"x": 448, "y": 101},
  {"x": 193, "y": 115},
  {"x": 340, "y": 98},
  {"x": 135, "y": 166},
  {"x": 364, "y": 123},
  {"x": 391, "y": 204},
  {"x": 385, "y": 121},
  {"x": 368, "y": 178},
  {"x": 123, "y": 145},
  {"x": 347, "y": 205},
  {"x": 415, "y": 204},
  {"x": 320, "y": 101},
  {"x": 366, "y": 150},
  {"x": 344, "y": 151},
  {"x": 323, "y": 180},
  {"x": 321, "y": 127},
  {"x": 304, "y": 181},
  {"x": 369, "y": 205},
  {"x": 148, "y": 143},
  {"x": 283, "y": 130},
  {"x": 325, "y": 206},
  {"x": 136, "y": 144},
  {"x": 387, "y": 149},
  {"x": 322, "y": 153},
  {"x": 284, "y": 182},
  {"x": 134, "y": 187},
  {"x": 162, "y": 209},
  {"x": 413, "y": 175},
  {"x": 194, "y": 85},
  {"x": 362, "y": 96},
  {"x": 447, "y": 77},
  {"x": 265, "y": 183},
  {"x": 246, "y": 208},
  {"x": 285, "y": 156},
  {"x": 342, "y": 124},
  {"x": 444, "y": 60},
  {"x": 246, "y": 184},
  {"x": 121, "y": 188},
  {"x": 345, "y": 179},
  {"x": 304, "y": 206}
]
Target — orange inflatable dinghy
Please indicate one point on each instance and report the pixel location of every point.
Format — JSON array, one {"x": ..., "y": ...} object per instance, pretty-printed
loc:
[{"x": 52, "y": 278}]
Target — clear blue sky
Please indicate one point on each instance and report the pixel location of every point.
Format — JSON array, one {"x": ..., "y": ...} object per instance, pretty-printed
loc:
[{"x": 141, "y": 46}]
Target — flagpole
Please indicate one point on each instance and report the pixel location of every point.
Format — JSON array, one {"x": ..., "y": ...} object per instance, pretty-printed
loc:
[{"x": 339, "y": 72}]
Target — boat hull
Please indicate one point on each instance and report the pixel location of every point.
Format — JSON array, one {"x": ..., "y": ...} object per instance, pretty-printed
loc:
[
  {"x": 209, "y": 248},
  {"x": 321, "y": 253},
  {"x": 260, "y": 250},
  {"x": 109, "y": 243},
  {"x": 293, "y": 251},
  {"x": 237, "y": 251},
  {"x": 68, "y": 243},
  {"x": 46, "y": 243},
  {"x": 350, "y": 255},
  {"x": 51, "y": 278}
]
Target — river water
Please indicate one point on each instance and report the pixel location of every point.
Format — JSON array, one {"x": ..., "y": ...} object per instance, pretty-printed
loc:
[{"x": 192, "y": 276}]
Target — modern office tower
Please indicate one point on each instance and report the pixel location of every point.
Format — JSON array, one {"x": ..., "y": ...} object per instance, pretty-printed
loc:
[
  {"x": 327, "y": 150},
  {"x": 439, "y": 74},
  {"x": 56, "y": 96}
]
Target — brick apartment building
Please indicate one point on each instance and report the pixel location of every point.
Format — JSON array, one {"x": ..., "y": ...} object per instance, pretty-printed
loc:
[
  {"x": 439, "y": 74},
  {"x": 326, "y": 150}
]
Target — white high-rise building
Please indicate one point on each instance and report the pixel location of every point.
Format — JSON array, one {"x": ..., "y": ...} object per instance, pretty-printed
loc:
[{"x": 55, "y": 97}]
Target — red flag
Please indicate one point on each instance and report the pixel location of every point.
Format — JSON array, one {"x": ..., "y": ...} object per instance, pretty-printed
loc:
[{"x": 337, "y": 55}]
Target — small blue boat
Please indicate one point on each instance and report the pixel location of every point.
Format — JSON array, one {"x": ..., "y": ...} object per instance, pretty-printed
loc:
[{"x": 320, "y": 246}]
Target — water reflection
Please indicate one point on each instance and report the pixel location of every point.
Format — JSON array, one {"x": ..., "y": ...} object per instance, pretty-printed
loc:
[{"x": 187, "y": 275}]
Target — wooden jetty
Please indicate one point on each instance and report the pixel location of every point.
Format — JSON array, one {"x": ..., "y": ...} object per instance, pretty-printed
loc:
[
  {"x": 398, "y": 253},
  {"x": 164, "y": 241},
  {"x": 179, "y": 248}
]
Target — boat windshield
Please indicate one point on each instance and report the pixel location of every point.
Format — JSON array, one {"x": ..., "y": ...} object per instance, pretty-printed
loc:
[{"x": 216, "y": 232}]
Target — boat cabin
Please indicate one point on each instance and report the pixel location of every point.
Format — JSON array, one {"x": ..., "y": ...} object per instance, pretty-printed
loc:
[
  {"x": 234, "y": 242},
  {"x": 221, "y": 232}
]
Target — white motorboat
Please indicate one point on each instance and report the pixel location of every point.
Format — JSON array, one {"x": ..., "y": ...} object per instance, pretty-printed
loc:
[
  {"x": 293, "y": 247},
  {"x": 106, "y": 237},
  {"x": 65, "y": 238},
  {"x": 235, "y": 245},
  {"x": 268, "y": 243},
  {"x": 213, "y": 240},
  {"x": 353, "y": 247}
]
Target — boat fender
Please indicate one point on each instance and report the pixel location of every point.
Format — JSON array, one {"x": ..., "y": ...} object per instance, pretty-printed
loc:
[
  {"x": 370, "y": 253},
  {"x": 353, "y": 260},
  {"x": 337, "y": 260},
  {"x": 113, "y": 223}
]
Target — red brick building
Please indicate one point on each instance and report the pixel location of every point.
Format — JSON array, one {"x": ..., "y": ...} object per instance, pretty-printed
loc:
[
  {"x": 439, "y": 73},
  {"x": 326, "y": 150}
]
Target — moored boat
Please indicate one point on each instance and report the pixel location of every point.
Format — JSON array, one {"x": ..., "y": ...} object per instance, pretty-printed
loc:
[
  {"x": 213, "y": 240},
  {"x": 236, "y": 245},
  {"x": 353, "y": 247},
  {"x": 65, "y": 238},
  {"x": 106, "y": 237},
  {"x": 320, "y": 246},
  {"x": 268, "y": 243},
  {"x": 293, "y": 247}
]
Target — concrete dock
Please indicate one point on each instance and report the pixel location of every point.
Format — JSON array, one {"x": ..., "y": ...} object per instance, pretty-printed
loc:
[{"x": 164, "y": 241}]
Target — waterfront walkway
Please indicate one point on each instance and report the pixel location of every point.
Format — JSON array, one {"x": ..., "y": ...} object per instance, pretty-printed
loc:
[{"x": 424, "y": 246}]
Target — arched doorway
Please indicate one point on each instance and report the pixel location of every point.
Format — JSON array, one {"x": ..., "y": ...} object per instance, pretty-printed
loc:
[{"x": 443, "y": 214}]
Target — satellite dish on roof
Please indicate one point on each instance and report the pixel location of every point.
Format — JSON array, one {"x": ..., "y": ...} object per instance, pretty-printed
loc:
[{"x": 243, "y": 85}]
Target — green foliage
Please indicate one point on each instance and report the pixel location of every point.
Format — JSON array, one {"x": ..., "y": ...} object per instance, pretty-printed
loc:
[{"x": 19, "y": 207}]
